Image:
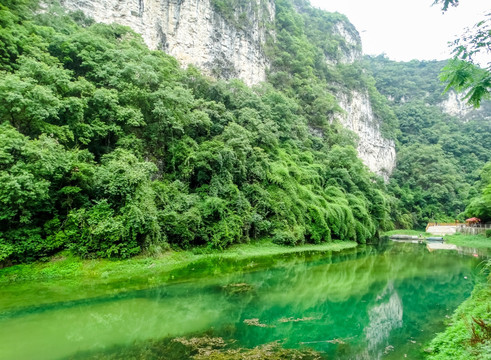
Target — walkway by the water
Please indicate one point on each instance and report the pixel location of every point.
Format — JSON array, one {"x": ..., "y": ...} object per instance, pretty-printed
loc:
[{"x": 442, "y": 229}]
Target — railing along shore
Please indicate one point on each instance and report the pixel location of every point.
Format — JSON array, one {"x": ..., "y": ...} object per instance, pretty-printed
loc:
[
  {"x": 473, "y": 229},
  {"x": 464, "y": 228}
]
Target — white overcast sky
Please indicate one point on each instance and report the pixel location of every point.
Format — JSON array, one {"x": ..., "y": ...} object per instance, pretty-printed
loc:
[{"x": 408, "y": 29}]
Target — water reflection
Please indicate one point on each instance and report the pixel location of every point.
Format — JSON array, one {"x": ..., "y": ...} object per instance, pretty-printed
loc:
[
  {"x": 476, "y": 252},
  {"x": 357, "y": 305},
  {"x": 384, "y": 318}
]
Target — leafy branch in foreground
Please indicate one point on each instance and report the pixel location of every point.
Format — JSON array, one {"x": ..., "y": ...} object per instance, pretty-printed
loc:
[
  {"x": 464, "y": 73},
  {"x": 468, "y": 78}
]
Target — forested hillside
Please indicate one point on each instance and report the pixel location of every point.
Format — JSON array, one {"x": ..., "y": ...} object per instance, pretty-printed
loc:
[
  {"x": 108, "y": 149},
  {"x": 439, "y": 157}
]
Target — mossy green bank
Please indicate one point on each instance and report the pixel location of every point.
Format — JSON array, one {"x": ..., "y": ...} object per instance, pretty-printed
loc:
[
  {"x": 469, "y": 333},
  {"x": 67, "y": 278},
  {"x": 472, "y": 241}
]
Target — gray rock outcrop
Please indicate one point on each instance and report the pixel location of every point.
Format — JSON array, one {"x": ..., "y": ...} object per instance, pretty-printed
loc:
[
  {"x": 194, "y": 32},
  {"x": 377, "y": 152}
]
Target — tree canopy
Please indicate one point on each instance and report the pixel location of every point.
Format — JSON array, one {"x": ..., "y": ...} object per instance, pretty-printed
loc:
[{"x": 109, "y": 149}]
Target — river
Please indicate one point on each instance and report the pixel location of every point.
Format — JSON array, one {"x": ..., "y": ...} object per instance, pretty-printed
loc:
[{"x": 364, "y": 303}]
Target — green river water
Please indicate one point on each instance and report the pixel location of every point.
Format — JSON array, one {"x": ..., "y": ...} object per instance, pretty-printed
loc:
[{"x": 364, "y": 303}]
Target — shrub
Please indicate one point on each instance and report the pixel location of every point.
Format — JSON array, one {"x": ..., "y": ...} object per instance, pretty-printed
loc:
[
  {"x": 284, "y": 238},
  {"x": 488, "y": 233}
]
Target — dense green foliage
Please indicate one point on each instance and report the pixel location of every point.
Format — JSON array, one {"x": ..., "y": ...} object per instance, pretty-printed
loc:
[
  {"x": 306, "y": 65},
  {"x": 468, "y": 78},
  {"x": 439, "y": 157},
  {"x": 109, "y": 149},
  {"x": 407, "y": 81},
  {"x": 466, "y": 75},
  {"x": 480, "y": 206}
]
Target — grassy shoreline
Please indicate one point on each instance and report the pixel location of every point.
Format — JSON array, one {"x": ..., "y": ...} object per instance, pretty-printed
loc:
[
  {"x": 65, "y": 266},
  {"x": 67, "y": 278},
  {"x": 465, "y": 338},
  {"x": 470, "y": 241}
]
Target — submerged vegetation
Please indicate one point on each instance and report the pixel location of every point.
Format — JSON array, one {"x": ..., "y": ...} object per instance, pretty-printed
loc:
[{"x": 201, "y": 348}]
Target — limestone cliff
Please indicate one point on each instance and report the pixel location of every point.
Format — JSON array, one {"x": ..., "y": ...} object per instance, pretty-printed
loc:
[
  {"x": 194, "y": 32},
  {"x": 350, "y": 46},
  {"x": 455, "y": 105},
  {"x": 377, "y": 153}
]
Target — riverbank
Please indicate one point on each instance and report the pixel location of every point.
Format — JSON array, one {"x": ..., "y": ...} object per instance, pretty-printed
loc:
[
  {"x": 472, "y": 241},
  {"x": 68, "y": 278},
  {"x": 469, "y": 333},
  {"x": 64, "y": 265}
]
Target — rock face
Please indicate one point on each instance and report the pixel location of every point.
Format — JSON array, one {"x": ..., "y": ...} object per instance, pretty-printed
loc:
[
  {"x": 350, "y": 50},
  {"x": 378, "y": 153},
  {"x": 454, "y": 105},
  {"x": 194, "y": 32}
]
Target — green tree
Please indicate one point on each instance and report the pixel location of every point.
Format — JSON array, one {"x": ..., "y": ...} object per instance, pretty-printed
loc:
[
  {"x": 463, "y": 73},
  {"x": 32, "y": 176},
  {"x": 480, "y": 206},
  {"x": 109, "y": 149}
]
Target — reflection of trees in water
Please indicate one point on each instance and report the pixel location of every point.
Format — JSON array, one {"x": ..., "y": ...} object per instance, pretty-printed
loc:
[
  {"x": 357, "y": 298},
  {"x": 345, "y": 298},
  {"x": 351, "y": 296},
  {"x": 307, "y": 284}
]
